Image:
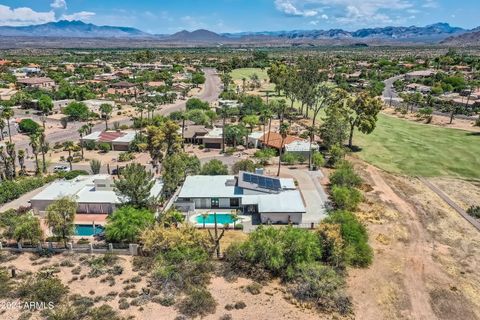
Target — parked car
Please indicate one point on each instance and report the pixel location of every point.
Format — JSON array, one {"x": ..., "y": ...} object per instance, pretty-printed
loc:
[{"x": 61, "y": 169}]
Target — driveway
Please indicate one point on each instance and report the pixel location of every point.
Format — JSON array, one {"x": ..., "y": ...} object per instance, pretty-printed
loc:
[{"x": 312, "y": 191}]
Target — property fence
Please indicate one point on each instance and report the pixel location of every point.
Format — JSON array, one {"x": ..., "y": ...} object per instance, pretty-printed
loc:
[{"x": 120, "y": 249}]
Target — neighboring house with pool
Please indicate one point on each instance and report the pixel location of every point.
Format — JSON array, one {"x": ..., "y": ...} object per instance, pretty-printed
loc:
[
  {"x": 272, "y": 199},
  {"x": 95, "y": 196}
]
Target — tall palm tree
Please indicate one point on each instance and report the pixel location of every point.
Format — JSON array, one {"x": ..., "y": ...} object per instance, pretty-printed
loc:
[
  {"x": 13, "y": 155},
  {"x": 2, "y": 126},
  {"x": 21, "y": 161},
  {"x": 44, "y": 148},
  {"x": 69, "y": 146},
  {"x": 35, "y": 145},
  {"x": 283, "y": 133},
  {"x": 7, "y": 114},
  {"x": 83, "y": 131},
  {"x": 106, "y": 111}
]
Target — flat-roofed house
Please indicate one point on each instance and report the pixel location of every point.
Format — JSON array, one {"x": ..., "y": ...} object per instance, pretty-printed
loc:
[
  {"x": 122, "y": 87},
  {"x": 118, "y": 140},
  {"x": 93, "y": 194},
  {"x": 275, "y": 200},
  {"x": 213, "y": 139},
  {"x": 36, "y": 83},
  {"x": 419, "y": 74},
  {"x": 274, "y": 140}
]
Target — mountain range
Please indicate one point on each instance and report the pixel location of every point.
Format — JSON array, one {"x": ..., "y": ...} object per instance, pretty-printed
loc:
[{"x": 432, "y": 34}]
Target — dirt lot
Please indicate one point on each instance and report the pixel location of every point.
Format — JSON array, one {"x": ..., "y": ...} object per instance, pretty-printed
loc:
[
  {"x": 426, "y": 255},
  {"x": 269, "y": 304}
]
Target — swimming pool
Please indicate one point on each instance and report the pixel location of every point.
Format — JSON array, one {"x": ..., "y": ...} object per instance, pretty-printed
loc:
[
  {"x": 222, "y": 218},
  {"x": 87, "y": 230}
]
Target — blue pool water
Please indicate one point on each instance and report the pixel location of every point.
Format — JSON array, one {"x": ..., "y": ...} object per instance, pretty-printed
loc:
[
  {"x": 222, "y": 218},
  {"x": 87, "y": 230}
]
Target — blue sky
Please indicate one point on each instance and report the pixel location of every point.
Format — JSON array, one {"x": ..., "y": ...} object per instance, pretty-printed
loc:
[{"x": 168, "y": 16}]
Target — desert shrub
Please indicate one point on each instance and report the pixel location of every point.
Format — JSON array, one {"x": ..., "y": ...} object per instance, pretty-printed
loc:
[
  {"x": 240, "y": 305},
  {"x": 345, "y": 176},
  {"x": 70, "y": 175},
  {"x": 345, "y": 198},
  {"x": 104, "y": 147},
  {"x": 319, "y": 285},
  {"x": 356, "y": 249},
  {"x": 90, "y": 145},
  {"x": 199, "y": 302},
  {"x": 5, "y": 283},
  {"x": 474, "y": 211},
  {"x": 289, "y": 158},
  {"x": 126, "y": 156},
  {"x": 63, "y": 312},
  {"x": 11, "y": 190},
  {"x": 226, "y": 317},
  {"x": 28, "y": 126},
  {"x": 42, "y": 288},
  {"x": 254, "y": 288},
  {"x": 276, "y": 251},
  {"x": 243, "y": 165},
  {"x": 477, "y": 122},
  {"x": 317, "y": 159},
  {"x": 165, "y": 301},
  {"x": 104, "y": 312}
]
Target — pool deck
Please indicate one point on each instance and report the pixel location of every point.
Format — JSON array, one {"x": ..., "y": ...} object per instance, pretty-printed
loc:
[{"x": 99, "y": 219}]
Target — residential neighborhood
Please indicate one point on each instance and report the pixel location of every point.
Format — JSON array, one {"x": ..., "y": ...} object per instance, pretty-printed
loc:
[{"x": 160, "y": 170}]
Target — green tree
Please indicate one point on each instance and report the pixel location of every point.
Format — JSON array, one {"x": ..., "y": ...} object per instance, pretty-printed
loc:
[
  {"x": 77, "y": 111},
  {"x": 126, "y": 224},
  {"x": 28, "y": 126},
  {"x": 345, "y": 198},
  {"x": 61, "y": 217},
  {"x": 265, "y": 155},
  {"x": 135, "y": 185},
  {"x": 195, "y": 103},
  {"x": 7, "y": 114},
  {"x": 175, "y": 168},
  {"x": 69, "y": 146},
  {"x": 45, "y": 105},
  {"x": 362, "y": 114},
  {"x": 214, "y": 167},
  {"x": 244, "y": 165},
  {"x": 27, "y": 227},
  {"x": 283, "y": 133},
  {"x": 106, "y": 112}
]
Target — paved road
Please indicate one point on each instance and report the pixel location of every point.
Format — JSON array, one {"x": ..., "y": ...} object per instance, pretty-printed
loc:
[
  {"x": 210, "y": 93},
  {"x": 389, "y": 94}
]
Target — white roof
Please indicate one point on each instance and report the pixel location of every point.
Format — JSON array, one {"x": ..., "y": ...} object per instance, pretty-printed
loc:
[
  {"x": 93, "y": 136},
  {"x": 300, "y": 146},
  {"x": 256, "y": 135},
  {"x": 285, "y": 201},
  {"x": 129, "y": 137},
  {"x": 214, "y": 133},
  {"x": 83, "y": 189},
  {"x": 207, "y": 187}
]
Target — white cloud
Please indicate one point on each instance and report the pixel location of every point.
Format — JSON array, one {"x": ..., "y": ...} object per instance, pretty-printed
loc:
[
  {"x": 82, "y": 15},
  {"x": 289, "y": 7},
  {"x": 59, "y": 4},
  {"x": 23, "y": 16},
  {"x": 360, "y": 12},
  {"x": 26, "y": 16}
]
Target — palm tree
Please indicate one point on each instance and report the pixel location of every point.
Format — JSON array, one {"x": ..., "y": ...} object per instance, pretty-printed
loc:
[
  {"x": 283, "y": 133},
  {"x": 106, "y": 111},
  {"x": 82, "y": 131},
  {"x": 235, "y": 218},
  {"x": 2, "y": 126},
  {"x": 7, "y": 114},
  {"x": 35, "y": 145},
  {"x": 44, "y": 148},
  {"x": 21, "y": 161},
  {"x": 12, "y": 154},
  {"x": 224, "y": 114},
  {"x": 69, "y": 146}
]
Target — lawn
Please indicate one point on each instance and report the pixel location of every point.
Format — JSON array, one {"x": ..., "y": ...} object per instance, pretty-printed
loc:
[
  {"x": 414, "y": 149},
  {"x": 239, "y": 74}
]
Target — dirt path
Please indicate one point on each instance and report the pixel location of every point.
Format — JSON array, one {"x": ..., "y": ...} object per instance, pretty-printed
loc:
[{"x": 418, "y": 250}]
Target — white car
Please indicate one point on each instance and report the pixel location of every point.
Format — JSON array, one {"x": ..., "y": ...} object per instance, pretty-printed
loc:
[{"x": 61, "y": 169}]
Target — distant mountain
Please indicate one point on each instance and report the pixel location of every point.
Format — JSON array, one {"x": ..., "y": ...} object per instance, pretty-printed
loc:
[
  {"x": 69, "y": 33},
  {"x": 72, "y": 29},
  {"x": 200, "y": 35},
  {"x": 431, "y": 33},
  {"x": 471, "y": 38}
]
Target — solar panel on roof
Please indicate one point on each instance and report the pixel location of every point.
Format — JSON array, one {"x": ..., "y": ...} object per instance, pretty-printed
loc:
[
  {"x": 254, "y": 179},
  {"x": 247, "y": 177},
  {"x": 269, "y": 183},
  {"x": 276, "y": 184}
]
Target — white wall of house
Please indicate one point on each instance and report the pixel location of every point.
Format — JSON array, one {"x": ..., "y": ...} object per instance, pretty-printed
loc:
[{"x": 295, "y": 217}]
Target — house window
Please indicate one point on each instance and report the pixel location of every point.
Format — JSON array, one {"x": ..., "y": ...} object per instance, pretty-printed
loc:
[{"x": 234, "y": 202}]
